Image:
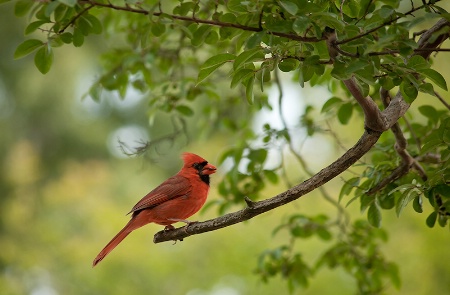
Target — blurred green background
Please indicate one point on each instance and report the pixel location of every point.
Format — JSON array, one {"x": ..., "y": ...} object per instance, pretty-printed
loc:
[{"x": 65, "y": 188}]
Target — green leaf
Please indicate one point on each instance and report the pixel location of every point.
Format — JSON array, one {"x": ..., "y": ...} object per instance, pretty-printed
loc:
[
  {"x": 436, "y": 77},
  {"x": 288, "y": 64},
  {"x": 96, "y": 25},
  {"x": 418, "y": 63},
  {"x": 50, "y": 9},
  {"x": 249, "y": 90},
  {"x": 417, "y": 204},
  {"x": 348, "y": 187},
  {"x": 427, "y": 88},
  {"x": 374, "y": 215},
  {"x": 271, "y": 176},
  {"x": 83, "y": 25},
  {"x": 66, "y": 37},
  {"x": 184, "y": 110},
  {"x": 78, "y": 37},
  {"x": 212, "y": 64},
  {"x": 4, "y": 1},
  {"x": 406, "y": 197},
  {"x": 212, "y": 38},
  {"x": 70, "y": 3},
  {"x": 345, "y": 113},
  {"x": 200, "y": 35},
  {"x": 95, "y": 92},
  {"x": 236, "y": 6},
  {"x": 27, "y": 47},
  {"x": 43, "y": 59},
  {"x": 330, "y": 103},
  {"x": 241, "y": 75},
  {"x": 429, "y": 112},
  {"x": 157, "y": 29},
  {"x": 34, "y": 26},
  {"x": 289, "y": 6},
  {"x": 301, "y": 24},
  {"x": 431, "y": 219},
  {"x": 22, "y": 7},
  {"x": 255, "y": 54},
  {"x": 330, "y": 20},
  {"x": 409, "y": 91}
]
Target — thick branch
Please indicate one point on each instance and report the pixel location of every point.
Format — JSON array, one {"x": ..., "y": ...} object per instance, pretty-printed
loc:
[
  {"x": 372, "y": 114},
  {"x": 364, "y": 144}
]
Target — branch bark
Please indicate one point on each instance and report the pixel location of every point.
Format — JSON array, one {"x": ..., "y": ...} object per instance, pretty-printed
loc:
[{"x": 363, "y": 145}]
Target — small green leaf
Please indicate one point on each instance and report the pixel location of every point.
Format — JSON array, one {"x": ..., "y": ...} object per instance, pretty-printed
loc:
[
  {"x": 301, "y": 24},
  {"x": 241, "y": 75},
  {"x": 431, "y": 219},
  {"x": 429, "y": 112},
  {"x": 330, "y": 103},
  {"x": 271, "y": 176},
  {"x": 417, "y": 204},
  {"x": 27, "y": 47},
  {"x": 418, "y": 63},
  {"x": 330, "y": 20},
  {"x": 34, "y": 26},
  {"x": 249, "y": 90},
  {"x": 66, "y": 37},
  {"x": 406, "y": 197},
  {"x": 212, "y": 38},
  {"x": 248, "y": 56},
  {"x": 50, "y": 9},
  {"x": 157, "y": 29},
  {"x": 289, "y": 6},
  {"x": 44, "y": 59},
  {"x": 427, "y": 88},
  {"x": 22, "y": 7},
  {"x": 236, "y": 6},
  {"x": 212, "y": 64},
  {"x": 345, "y": 113},
  {"x": 374, "y": 215},
  {"x": 70, "y": 3},
  {"x": 288, "y": 64},
  {"x": 200, "y": 35},
  {"x": 96, "y": 25},
  {"x": 436, "y": 77},
  {"x": 95, "y": 92},
  {"x": 184, "y": 110},
  {"x": 409, "y": 91},
  {"x": 78, "y": 37}
]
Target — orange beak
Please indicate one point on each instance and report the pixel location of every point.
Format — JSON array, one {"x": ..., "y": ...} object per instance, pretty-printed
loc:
[{"x": 209, "y": 169}]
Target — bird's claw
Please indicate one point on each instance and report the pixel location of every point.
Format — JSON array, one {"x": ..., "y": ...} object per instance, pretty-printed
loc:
[{"x": 169, "y": 227}]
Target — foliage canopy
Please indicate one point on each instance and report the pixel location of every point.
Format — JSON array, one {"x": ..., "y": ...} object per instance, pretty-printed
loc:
[{"x": 375, "y": 57}]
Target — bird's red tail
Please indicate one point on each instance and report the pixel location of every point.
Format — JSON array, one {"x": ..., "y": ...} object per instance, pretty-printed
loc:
[{"x": 114, "y": 242}]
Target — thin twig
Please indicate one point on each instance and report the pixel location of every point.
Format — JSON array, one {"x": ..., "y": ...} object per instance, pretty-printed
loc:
[{"x": 201, "y": 21}]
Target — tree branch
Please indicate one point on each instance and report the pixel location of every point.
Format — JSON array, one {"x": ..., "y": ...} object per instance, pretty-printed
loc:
[
  {"x": 193, "y": 19},
  {"x": 364, "y": 144},
  {"x": 372, "y": 114}
]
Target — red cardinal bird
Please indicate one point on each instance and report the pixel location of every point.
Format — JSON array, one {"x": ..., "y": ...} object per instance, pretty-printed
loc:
[{"x": 176, "y": 199}]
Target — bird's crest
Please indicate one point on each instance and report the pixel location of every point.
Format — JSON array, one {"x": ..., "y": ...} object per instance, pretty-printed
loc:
[{"x": 189, "y": 159}]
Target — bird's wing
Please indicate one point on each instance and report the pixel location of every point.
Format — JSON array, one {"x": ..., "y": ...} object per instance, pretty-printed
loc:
[{"x": 174, "y": 187}]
